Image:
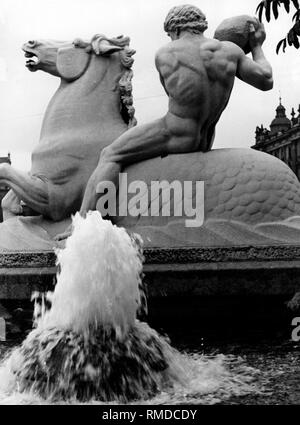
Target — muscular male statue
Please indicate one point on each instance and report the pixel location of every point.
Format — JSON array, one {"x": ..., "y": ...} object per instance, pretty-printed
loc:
[{"x": 197, "y": 74}]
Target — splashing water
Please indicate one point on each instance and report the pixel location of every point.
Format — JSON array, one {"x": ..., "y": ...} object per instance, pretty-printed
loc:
[
  {"x": 99, "y": 279},
  {"x": 90, "y": 347}
]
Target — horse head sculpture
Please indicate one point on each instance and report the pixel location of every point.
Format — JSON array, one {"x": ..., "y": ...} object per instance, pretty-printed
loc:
[{"x": 91, "y": 107}]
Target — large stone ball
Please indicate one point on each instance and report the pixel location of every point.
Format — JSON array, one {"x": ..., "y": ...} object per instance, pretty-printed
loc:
[{"x": 236, "y": 30}]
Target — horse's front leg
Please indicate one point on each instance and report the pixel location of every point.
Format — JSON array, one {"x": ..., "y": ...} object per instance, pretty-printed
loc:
[
  {"x": 11, "y": 205},
  {"x": 30, "y": 189}
]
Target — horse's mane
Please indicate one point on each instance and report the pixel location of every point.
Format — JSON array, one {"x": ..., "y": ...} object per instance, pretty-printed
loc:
[{"x": 125, "y": 85}]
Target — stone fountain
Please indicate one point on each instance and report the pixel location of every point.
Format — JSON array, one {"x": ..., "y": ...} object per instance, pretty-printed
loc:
[{"x": 245, "y": 236}]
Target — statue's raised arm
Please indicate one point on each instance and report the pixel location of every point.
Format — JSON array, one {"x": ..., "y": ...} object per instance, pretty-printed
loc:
[{"x": 249, "y": 34}]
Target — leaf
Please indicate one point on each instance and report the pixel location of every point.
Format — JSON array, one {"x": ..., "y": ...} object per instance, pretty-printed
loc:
[
  {"x": 296, "y": 17},
  {"x": 296, "y": 42},
  {"x": 268, "y": 10},
  {"x": 275, "y": 8},
  {"x": 296, "y": 28},
  {"x": 287, "y": 5},
  {"x": 284, "y": 45},
  {"x": 260, "y": 5},
  {"x": 290, "y": 37},
  {"x": 259, "y": 10},
  {"x": 279, "y": 45},
  {"x": 293, "y": 38}
]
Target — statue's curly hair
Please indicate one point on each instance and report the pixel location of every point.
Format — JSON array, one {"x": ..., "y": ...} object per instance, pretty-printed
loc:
[{"x": 185, "y": 17}]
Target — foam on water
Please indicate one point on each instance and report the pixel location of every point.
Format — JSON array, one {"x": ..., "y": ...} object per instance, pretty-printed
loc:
[
  {"x": 208, "y": 380},
  {"x": 89, "y": 347}
]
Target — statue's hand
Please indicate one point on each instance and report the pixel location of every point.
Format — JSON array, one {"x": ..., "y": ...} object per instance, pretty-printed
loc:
[
  {"x": 256, "y": 36},
  {"x": 65, "y": 234}
]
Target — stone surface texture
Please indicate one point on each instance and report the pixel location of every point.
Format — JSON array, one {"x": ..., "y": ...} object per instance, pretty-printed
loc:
[
  {"x": 236, "y": 30},
  {"x": 250, "y": 198}
]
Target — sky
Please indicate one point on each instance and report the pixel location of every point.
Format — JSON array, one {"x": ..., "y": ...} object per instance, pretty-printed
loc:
[{"x": 24, "y": 95}]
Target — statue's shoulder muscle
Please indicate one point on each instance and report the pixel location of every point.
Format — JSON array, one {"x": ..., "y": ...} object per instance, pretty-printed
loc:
[
  {"x": 232, "y": 50},
  {"x": 166, "y": 60}
]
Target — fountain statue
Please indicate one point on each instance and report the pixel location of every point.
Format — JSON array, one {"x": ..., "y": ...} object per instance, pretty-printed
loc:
[
  {"x": 89, "y": 138},
  {"x": 90, "y": 344}
]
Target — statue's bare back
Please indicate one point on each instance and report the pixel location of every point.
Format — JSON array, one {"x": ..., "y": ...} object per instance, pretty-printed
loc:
[{"x": 198, "y": 75}]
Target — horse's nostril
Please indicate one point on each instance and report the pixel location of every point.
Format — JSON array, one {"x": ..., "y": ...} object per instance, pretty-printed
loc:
[{"x": 31, "y": 42}]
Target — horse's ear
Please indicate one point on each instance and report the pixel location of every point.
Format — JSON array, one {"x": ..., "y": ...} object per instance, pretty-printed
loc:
[
  {"x": 101, "y": 46},
  {"x": 72, "y": 62}
]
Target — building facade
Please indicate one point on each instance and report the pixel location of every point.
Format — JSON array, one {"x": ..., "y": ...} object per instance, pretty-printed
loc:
[
  {"x": 283, "y": 138},
  {"x": 3, "y": 189}
]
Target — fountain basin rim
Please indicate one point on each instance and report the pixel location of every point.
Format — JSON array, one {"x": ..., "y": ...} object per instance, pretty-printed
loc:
[
  {"x": 174, "y": 255},
  {"x": 188, "y": 271}
]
